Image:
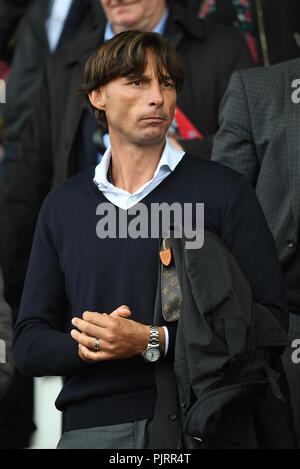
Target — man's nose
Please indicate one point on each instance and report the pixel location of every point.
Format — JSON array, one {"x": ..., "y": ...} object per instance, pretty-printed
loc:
[{"x": 155, "y": 95}]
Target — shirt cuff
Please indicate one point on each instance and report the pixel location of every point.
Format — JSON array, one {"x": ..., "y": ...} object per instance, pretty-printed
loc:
[{"x": 166, "y": 339}]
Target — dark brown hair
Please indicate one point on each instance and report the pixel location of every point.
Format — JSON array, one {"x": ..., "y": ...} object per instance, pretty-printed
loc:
[{"x": 125, "y": 55}]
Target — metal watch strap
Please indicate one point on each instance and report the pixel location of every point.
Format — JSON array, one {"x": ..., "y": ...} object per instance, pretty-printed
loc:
[
  {"x": 153, "y": 342},
  {"x": 154, "y": 335}
]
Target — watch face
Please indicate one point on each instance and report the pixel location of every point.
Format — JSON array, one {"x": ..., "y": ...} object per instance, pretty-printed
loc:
[{"x": 152, "y": 354}]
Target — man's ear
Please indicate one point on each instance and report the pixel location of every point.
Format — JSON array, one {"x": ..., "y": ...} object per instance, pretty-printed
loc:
[{"x": 97, "y": 98}]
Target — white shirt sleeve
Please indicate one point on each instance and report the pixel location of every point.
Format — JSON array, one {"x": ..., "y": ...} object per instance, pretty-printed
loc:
[{"x": 166, "y": 339}]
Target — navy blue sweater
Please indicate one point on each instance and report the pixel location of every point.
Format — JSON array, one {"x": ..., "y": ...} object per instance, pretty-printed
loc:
[{"x": 72, "y": 270}]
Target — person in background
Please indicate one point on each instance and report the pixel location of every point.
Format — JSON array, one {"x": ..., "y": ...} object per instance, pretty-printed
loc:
[
  {"x": 259, "y": 137},
  {"x": 46, "y": 26},
  {"x": 266, "y": 24}
]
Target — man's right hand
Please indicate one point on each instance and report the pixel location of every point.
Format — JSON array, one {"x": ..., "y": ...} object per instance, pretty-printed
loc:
[{"x": 119, "y": 337}]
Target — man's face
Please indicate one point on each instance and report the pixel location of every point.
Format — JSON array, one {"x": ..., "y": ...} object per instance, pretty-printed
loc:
[
  {"x": 139, "y": 110},
  {"x": 133, "y": 14}
]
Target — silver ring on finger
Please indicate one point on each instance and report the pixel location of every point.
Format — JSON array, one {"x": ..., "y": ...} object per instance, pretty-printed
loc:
[{"x": 97, "y": 345}]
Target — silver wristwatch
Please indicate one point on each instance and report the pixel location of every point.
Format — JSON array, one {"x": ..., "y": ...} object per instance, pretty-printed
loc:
[{"x": 152, "y": 351}]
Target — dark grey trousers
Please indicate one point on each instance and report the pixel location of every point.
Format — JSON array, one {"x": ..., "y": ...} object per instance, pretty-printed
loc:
[{"x": 132, "y": 435}]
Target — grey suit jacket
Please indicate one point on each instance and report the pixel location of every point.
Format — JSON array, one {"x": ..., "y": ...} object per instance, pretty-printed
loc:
[
  {"x": 259, "y": 136},
  {"x": 6, "y": 362}
]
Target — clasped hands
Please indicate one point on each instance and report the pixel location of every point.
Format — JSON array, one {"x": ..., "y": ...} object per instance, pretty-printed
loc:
[{"x": 118, "y": 336}]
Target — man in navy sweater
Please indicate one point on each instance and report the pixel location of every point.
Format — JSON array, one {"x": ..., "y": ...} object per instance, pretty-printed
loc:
[{"x": 73, "y": 319}]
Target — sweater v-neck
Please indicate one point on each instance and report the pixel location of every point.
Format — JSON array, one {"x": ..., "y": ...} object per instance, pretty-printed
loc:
[{"x": 148, "y": 196}]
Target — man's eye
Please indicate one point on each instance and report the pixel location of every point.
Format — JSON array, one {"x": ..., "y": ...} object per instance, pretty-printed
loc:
[
  {"x": 167, "y": 84},
  {"x": 136, "y": 82}
]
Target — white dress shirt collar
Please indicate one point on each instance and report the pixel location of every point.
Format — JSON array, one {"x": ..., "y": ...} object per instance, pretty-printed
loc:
[{"x": 169, "y": 160}]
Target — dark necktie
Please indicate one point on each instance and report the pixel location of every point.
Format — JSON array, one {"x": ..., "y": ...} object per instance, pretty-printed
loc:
[{"x": 170, "y": 289}]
